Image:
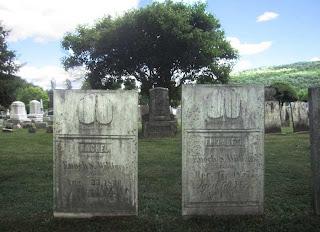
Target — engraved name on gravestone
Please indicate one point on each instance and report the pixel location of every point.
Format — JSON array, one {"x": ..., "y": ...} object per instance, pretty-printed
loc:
[
  {"x": 222, "y": 149},
  {"x": 95, "y": 153}
]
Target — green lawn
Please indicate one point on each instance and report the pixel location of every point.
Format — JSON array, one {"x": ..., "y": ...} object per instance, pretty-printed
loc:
[{"x": 26, "y": 192}]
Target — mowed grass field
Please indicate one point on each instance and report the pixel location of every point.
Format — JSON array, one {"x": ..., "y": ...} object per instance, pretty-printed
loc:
[{"x": 26, "y": 189}]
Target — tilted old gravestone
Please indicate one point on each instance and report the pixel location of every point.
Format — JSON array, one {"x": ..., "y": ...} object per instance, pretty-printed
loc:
[
  {"x": 300, "y": 117},
  {"x": 222, "y": 149},
  {"x": 314, "y": 104},
  {"x": 272, "y": 122},
  {"x": 159, "y": 122},
  {"x": 95, "y": 153}
]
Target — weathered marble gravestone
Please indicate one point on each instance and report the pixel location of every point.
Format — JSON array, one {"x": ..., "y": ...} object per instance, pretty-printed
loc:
[
  {"x": 35, "y": 111},
  {"x": 159, "y": 122},
  {"x": 222, "y": 149},
  {"x": 18, "y": 113},
  {"x": 300, "y": 117},
  {"x": 272, "y": 122},
  {"x": 314, "y": 104},
  {"x": 285, "y": 116},
  {"x": 95, "y": 153}
]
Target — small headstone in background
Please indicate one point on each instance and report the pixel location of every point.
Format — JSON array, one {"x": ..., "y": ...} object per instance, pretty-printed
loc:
[
  {"x": 285, "y": 116},
  {"x": 49, "y": 129},
  {"x": 41, "y": 125},
  {"x": 159, "y": 122},
  {"x": 35, "y": 114},
  {"x": 300, "y": 117},
  {"x": 95, "y": 153},
  {"x": 32, "y": 129},
  {"x": 143, "y": 110},
  {"x": 222, "y": 149},
  {"x": 272, "y": 117}
]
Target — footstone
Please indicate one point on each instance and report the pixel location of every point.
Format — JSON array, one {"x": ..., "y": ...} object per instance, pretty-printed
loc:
[
  {"x": 222, "y": 149},
  {"x": 95, "y": 153},
  {"x": 314, "y": 104},
  {"x": 159, "y": 122},
  {"x": 300, "y": 118},
  {"x": 272, "y": 117}
]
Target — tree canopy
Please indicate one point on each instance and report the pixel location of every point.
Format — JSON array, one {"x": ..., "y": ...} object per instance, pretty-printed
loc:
[
  {"x": 7, "y": 57},
  {"x": 284, "y": 92},
  {"x": 162, "y": 45},
  {"x": 33, "y": 93}
]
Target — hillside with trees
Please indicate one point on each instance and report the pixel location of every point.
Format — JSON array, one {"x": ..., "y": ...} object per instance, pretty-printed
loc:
[{"x": 300, "y": 75}]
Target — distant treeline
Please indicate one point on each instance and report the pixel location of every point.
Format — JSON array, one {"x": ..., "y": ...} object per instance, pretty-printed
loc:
[{"x": 300, "y": 75}]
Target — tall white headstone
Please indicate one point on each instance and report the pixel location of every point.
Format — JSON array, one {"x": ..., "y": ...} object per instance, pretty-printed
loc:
[
  {"x": 222, "y": 149},
  {"x": 95, "y": 153}
]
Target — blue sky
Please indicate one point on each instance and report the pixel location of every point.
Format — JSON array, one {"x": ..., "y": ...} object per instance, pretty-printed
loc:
[{"x": 287, "y": 32}]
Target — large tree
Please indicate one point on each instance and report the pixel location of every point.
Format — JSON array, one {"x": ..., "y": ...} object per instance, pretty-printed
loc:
[
  {"x": 284, "y": 92},
  {"x": 161, "y": 45}
]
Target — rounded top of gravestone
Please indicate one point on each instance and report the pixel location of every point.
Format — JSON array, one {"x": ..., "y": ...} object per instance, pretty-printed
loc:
[
  {"x": 159, "y": 88},
  {"x": 17, "y": 103},
  {"x": 34, "y": 102}
]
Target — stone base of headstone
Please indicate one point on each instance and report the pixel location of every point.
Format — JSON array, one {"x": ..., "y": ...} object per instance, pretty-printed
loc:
[
  {"x": 159, "y": 128},
  {"x": 32, "y": 130},
  {"x": 49, "y": 129},
  {"x": 7, "y": 130},
  {"x": 18, "y": 121},
  {"x": 41, "y": 125},
  {"x": 48, "y": 118},
  {"x": 35, "y": 117}
]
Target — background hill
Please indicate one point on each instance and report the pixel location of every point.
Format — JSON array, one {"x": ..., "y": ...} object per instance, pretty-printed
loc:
[{"x": 300, "y": 75}]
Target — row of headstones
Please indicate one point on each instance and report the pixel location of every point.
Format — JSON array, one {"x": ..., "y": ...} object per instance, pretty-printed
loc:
[
  {"x": 277, "y": 116},
  {"x": 96, "y": 151},
  {"x": 35, "y": 119}
]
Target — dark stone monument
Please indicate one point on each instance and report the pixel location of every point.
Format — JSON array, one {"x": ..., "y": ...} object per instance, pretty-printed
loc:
[
  {"x": 159, "y": 122},
  {"x": 314, "y": 117}
]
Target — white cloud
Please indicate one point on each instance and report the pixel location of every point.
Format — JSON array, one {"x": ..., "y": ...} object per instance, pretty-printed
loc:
[
  {"x": 49, "y": 20},
  {"x": 315, "y": 59},
  {"x": 42, "y": 76},
  {"x": 267, "y": 16},
  {"x": 248, "y": 49},
  {"x": 241, "y": 65}
]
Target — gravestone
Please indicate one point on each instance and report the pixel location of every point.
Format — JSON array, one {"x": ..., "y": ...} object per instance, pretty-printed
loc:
[
  {"x": 222, "y": 149},
  {"x": 272, "y": 122},
  {"x": 143, "y": 110},
  {"x": 300, "y": 118},
  {"x": 18, "y": 113},
  {"x": 159, "y": 122},
  {"x": 285, "y": 116},
  {"x": 95, "y": 153},
  {"x": 35, "y": 111},
  {"x": 314, "y": 103}
]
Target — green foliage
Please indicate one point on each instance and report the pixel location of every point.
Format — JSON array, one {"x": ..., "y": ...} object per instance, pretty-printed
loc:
[
  {"x": 300, "y": 75},
  {"x": 161, "y": 45},
  {"x": 9, "y": 85},
  {"x": 303, "y": 95},
  {"x": 7, "y": 57},
  {"x": 284, "y": 92},
  {"x": 33, "y": 93}
]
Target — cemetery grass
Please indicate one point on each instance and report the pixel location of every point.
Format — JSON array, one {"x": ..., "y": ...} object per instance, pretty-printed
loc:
[{"x": 26, "y": 189}]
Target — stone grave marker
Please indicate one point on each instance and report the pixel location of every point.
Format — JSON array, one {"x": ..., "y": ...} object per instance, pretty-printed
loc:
[
  {"x": 18, "y": 113},
  {"x": 314, "y": 104},
  {"x": 300, "y": 118},
  {"x": 272, "y": 117},
  {"x": 222, "y": 149},
  {"x": 95, "y": 153},
  {"x": 159, "y": 122},
  {"x": 285, "y": 116},
  {"x": 35, "y": 111}
]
